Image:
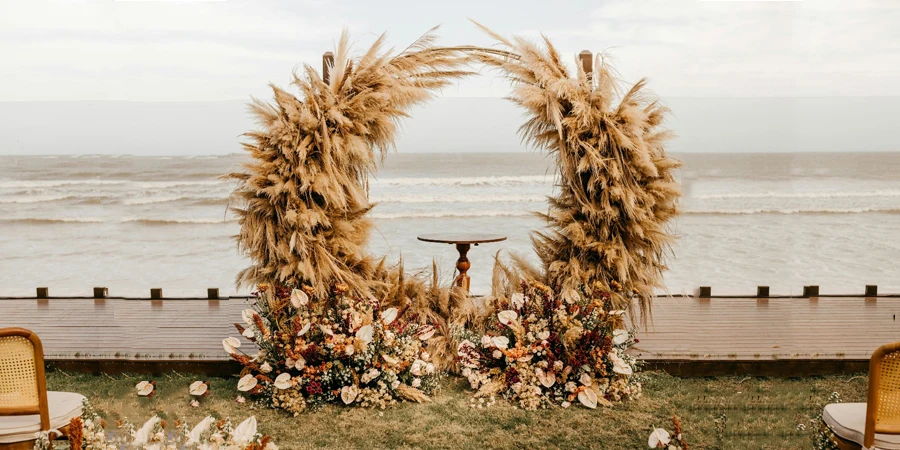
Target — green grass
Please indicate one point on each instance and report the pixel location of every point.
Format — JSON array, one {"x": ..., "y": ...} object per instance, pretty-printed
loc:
[{"x": 762, "y": 413}]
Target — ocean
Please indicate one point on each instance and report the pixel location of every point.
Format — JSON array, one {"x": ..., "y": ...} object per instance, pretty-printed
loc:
[{"x": 133, "y": 223}]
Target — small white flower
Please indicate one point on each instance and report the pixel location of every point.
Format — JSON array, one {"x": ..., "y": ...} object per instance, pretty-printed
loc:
[
  {"x": 198, "y": 388},
  {"x": 429, "y": 369},
  {"x": 417, "y": 368},
  {"x": 517, "y": 300},
  {"x": 395, "y": 384},
  {"x": 391, "y": 360},
  {"x": 230, "y": 344},
  {"x": 304, "y": 329},
  {"x": 507, "y": 317},
  {"x": 265, "y": 367},
  {"x": 245, "y": 433},
  {"x": 349, "y": 393},
  {"x": 657, "y": 437},
  {"x": 349, "y": 350},
  {"x": 543, "y": 335},
  {"x": 620, "y": 337},
  {"x": 246, "y": 383},
  {"x": 487, "y": 341},
  {"x": 425, "y": 356},
  {"x": 565, "y": 404},
  {"x": 299, "y": 298},
  {"x": 497, "y": 354},
  {"x": 388, "y": 315},
  {"x": 283, "y": 381},
  {"x": 195, "y": 403},
  {"x": 240, "y": 399},
  {"x": 416, "y": 382}
]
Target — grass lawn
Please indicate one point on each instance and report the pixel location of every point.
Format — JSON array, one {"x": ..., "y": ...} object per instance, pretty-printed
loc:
[{"x": 761, "y": 413}]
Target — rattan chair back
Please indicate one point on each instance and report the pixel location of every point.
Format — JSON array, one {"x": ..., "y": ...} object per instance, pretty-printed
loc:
[
  {"x": 23, "y": 388},
  {"x": 883, "y": 406}
]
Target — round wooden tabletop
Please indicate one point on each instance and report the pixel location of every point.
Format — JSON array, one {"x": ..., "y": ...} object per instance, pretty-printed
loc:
[{"x": 462, "y": 238}]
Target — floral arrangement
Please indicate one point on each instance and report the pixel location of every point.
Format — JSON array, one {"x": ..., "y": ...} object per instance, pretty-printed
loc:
[
  {"x": 340, "y": 348},
  {"x": 541, "y": 351},
  {"x": 660, "y": 438},
  {"x": 88, "y": 432}
]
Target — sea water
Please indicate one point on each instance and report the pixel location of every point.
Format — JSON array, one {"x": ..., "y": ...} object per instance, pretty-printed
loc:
[{"x": 133, "y": 223}]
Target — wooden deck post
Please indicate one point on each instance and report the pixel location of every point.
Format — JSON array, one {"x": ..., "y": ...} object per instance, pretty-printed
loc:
[
  {"x": 156, "y": 293},
  {"x": 871, "y": 290},
  {"x": 212, "y": 293},
  {"x": 762, "y": 292},
  {"x": 705, "y": 291},
  {"x": 101, "y": 292},
  {"x": 587, "y": 63},
  {"x": 43, "y": 292},
  {"x": 810, "y": 291},
  {"x": 327, "y": 64}
]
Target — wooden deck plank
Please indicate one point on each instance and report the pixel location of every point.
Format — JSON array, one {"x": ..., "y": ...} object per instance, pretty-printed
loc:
[{"x": 716, "y": 329}]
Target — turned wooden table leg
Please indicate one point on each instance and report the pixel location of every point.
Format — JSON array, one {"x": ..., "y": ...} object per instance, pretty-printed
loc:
[{"x": 462, "y": 265}]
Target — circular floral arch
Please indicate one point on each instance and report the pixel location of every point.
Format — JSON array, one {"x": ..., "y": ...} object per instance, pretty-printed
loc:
[{"x": 304, "y": 194}]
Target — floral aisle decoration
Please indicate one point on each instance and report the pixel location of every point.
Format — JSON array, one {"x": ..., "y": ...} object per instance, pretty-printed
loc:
[
  {"x": 339, "y": 349},
  {"x": 540, "y": 350},
  {"x": 661, "y": 438},
  {"x": 198, "y": 390}
]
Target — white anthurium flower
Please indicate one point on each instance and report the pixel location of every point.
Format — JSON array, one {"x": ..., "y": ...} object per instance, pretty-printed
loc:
[
  {"x": 245, "y": 433},
  {"x": 326, "y": 330},
  {"x": 289, "y": 362},
  {"x": 198, "y": 388},
  {"x": 620, "y": 337},
  {"x": 247, "y": 315},
  {"x": 619, "y": 365},
  {"x": 426, "y": 332},
  {"x": 517, "y": 300},
  {"x": 507, "y": 317},
  {"x": 389, "y": 315},
  {"x": 657, "y": 437},
  {"x": 500, "y": 341},
  {"x": 300, "y": 363},
  {"x": 142, "y": 435},
  {"x": 265, "y": 367},
  {"x": 365, "y": 334},
  {"x": 248, "y": 333},
  {"x": 585, "y": 379},
  {"x": 246, "y": 383},
  {"x": 230, "y": 344},
  {"x": 349, "y": 393},
  {"x": 299, "y": 298},
  {"x": 486, "y": 341},
  {"x": 547, "y": 379},
  {"x": 194, "y": 435},
  {"x": 543, "y": 335},
  {"x": 304, "y": 329},
  {"x": 144, "y": 388},
  {"x": 283, "y": 381},
  {"x": 588, "y": 398},
  {"x": 391, "y": 360},
  {"x": 617, "y": 312}
]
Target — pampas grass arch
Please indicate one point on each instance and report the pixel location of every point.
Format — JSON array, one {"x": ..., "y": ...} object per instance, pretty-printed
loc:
[{"x": 303, "y": 198}]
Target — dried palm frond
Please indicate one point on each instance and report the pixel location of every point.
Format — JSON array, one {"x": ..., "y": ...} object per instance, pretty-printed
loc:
[
  {"x": 617, "y": 192},
  {"x": 303, "y": 198},
  {"x": 412, "y": 394}
]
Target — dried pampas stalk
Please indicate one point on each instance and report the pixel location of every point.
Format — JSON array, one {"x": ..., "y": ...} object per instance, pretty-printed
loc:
[
  {"x": 303, "y": 200},
  {"x": 609, "y": 221},
  {"x": 412, "y": 394}
]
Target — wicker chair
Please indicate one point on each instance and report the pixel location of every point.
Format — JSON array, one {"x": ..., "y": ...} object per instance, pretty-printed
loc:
[
  {"x": 26, "y": 407},
  {"x": 875, "y": 424}
]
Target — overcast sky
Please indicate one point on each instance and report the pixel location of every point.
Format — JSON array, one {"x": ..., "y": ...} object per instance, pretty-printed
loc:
[{"x": 193, "y": 51}]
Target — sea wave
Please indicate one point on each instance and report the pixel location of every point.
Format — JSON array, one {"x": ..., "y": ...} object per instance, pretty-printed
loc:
[
  {"x": 770, "y": 194},
  {"x": 890, "y": 210},
  {"x": 466, "y": 181},
  {"x": 44, "y": 221},
  {"x": 13, "y": 184},
  {"x": 470, "y": 198},
  {"x": 175, "y": 221},
  {"x": 176, "y": 198},
  {"x": 441, "y": 214}
]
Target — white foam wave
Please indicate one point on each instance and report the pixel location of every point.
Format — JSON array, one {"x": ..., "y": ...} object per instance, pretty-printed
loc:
[
  {"x": 33, "y": 199},
  {"x": 770, "y": 194},
  {"x": 12, "y": 184},
  {"x": 792, "y": 211},
  {"x": 439, "y": 214},
  {"x": 148, "y": 221},
  {"x": 466, "y": 181},
  {"x": 486, "y": 198}
]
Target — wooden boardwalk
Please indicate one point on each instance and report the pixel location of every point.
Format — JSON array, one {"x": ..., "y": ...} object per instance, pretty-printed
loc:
[{"x": 682, "y": 328}]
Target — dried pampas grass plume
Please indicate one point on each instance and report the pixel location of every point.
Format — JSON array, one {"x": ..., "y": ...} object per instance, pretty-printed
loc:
[
  {"x": 302, "y": 201},
  {"x": 609, "y": 221}
]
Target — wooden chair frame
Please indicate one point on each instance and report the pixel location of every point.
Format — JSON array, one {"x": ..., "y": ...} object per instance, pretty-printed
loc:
[
  {"x": 873, "y": 400},
  {"x": 42, "y": 408}
]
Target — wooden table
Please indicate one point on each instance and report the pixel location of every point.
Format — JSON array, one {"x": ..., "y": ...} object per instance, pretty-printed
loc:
[{"x": 463, "y": 242}]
